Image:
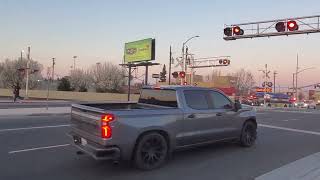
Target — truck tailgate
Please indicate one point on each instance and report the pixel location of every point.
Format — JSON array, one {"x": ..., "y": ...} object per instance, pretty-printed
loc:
[{"x": 86, "y": 120}]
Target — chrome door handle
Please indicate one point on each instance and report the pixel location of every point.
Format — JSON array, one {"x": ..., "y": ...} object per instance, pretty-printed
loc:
[{"x": 219, "y": 114}]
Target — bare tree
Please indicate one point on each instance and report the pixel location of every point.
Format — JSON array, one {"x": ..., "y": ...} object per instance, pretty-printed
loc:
[
  {"x": 107, "y": 77},
  {"x": 244, "y": 81},
  {"x": 1, "y": 70},
  {"x": 80, "y": 80},
  {"x": 13, "y": 73}
]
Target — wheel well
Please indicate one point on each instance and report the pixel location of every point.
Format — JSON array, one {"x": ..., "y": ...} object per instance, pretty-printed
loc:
[
  {"x": 161, "y": 132},
  {"x": 251, "y": 120}
]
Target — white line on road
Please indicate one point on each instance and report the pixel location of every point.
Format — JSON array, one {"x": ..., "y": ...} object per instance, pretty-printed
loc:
[
  {"x": 38, "y": 148},
  {"x": 34, "y": 127},
  {"x": 291, "y": 120},
  {"x": 290, "y": 129}
]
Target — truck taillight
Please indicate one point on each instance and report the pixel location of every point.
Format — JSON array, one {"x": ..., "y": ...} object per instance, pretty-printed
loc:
[{"x": 106, "y": 131}]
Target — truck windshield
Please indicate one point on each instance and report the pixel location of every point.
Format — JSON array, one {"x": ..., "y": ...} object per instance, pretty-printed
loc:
[{"x": 159, "y": 97}]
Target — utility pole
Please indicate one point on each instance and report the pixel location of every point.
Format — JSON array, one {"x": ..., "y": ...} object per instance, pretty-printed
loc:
[
  {"x": 53, "y": 64},
  {"x": 27, "y": 72},
  {"x": 274, "y": 81},
  {"x": 74, "y": 62},
  {"x": 297, "y": 69},
  {"x": 170, "y": 58},
  {"x": 293, "y": 86},
  {"x": 265, "y": 87}
]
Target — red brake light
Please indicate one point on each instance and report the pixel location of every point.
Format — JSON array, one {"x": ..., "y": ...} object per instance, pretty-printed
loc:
[
  {"x": 106, "y": 131},
  {"x": 107, "y": 118}
]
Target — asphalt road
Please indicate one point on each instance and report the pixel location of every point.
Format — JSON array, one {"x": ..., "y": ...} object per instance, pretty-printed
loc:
[{"x": 36, "y": 147}]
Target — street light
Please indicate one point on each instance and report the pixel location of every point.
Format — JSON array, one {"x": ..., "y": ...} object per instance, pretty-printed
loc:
[
  {"x": 184, "y": 59},
  {"x": 22, "y": 51},
  {"x": 74, "y": 62}
]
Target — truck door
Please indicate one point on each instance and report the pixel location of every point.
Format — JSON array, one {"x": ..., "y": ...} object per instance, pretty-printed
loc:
[
  {"x": 199, "y": 118},
  {"x": 225, "y": 121}
]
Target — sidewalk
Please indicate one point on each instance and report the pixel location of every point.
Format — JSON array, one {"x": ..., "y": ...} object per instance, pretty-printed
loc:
[
  {"x": 30, "y": 101},
  {"x": 34, "y": 111}
]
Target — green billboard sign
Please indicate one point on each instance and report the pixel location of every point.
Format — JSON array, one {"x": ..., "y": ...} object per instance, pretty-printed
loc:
[{"x": 142, "y": 50}]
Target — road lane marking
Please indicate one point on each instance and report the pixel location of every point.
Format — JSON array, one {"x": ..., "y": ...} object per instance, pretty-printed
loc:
[
  {"x": 290, "y": 129},
  {"x": 34, "y": 127},
  {"x": 291, "y": 120},
  {"x": 38, "y": 148}
]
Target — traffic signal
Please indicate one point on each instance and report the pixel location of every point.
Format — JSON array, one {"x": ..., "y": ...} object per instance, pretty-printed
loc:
[
  {"x": 182, "y": 74},
  {"x": 228, "y": 31},
  {"x": 175, "y": 74},
  {"x": 292, "y": 25},
  {"x": 280, "y": 27},
  {"x": 237, "y": 31},
  {"x": 185, "y": 83}
]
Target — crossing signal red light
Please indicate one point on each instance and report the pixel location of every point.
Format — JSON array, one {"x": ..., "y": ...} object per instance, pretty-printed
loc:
[
  {"x": 227, "y": 31},
  {"x": 175, "y": 74},
  {"x": 292, "y": 25},
  {"x": 182, "y": 74},
  {"x": 238, "y": 31},
  {"x": 185, "y": 83},
  {"x": 280, "y": 27},
  {"x": 226, "y": 62}
]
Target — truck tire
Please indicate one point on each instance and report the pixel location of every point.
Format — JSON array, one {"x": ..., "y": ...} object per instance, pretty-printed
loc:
[
  {"x": 151, "y": 151},
  {"x": 248, "y": 134}
]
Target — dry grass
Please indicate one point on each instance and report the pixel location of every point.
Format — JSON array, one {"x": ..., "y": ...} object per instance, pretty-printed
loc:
[{"x": 66, "y": 95}]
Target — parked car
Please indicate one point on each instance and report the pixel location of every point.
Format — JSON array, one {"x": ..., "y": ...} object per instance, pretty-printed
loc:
[
  {"x": 311, "y": 104},
  {"x": 165, "y": 119}
]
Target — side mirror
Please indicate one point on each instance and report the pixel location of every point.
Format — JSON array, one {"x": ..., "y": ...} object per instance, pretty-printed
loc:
[{"x": 237, "y": 105}]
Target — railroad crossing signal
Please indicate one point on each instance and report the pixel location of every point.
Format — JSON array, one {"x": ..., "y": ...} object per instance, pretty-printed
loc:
[
  {"x": 277, "y": 27},
  {"x": 175, "y": 74},
  {"x": 182, "y": 74},
  {"x": 269, "y": 84}
]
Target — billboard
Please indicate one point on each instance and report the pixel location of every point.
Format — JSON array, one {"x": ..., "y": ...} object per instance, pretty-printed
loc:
[{"x": 137, "y": 51}]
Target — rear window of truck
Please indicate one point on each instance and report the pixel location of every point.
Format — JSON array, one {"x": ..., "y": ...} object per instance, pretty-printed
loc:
[{"x": 159, "y": 97}]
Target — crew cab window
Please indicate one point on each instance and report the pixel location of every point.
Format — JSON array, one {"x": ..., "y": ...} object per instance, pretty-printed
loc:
[
  {"x": 161, "y": 97},
  {"x": 220, "y": 101},
  {"x": 196, "y": 99}
]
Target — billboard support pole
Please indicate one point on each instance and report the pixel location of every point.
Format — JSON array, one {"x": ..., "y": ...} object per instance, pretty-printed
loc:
[
  {"x": 129, "y": 82},
  {"x": 146, "y": 78}
]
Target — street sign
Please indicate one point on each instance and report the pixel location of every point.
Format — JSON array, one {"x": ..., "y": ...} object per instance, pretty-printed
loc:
[{"x": 156, "y": 76}]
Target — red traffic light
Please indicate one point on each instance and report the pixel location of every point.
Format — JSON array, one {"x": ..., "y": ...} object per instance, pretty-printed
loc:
[
  {"x": 182, "y": 74},
  {"x": 292, "y": 25},
  {"x": 238, "y": 31},
  {"x": 227, "y": 31},
  {"x": 175, "y": 74},
  {"x": 280, "y": 27}
]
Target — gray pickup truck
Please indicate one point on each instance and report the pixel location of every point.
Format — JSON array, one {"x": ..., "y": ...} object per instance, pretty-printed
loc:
[{"x": 165, "y": 119}]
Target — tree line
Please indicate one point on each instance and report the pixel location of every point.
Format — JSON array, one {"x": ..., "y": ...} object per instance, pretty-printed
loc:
[{"x": 102, "y": 77}]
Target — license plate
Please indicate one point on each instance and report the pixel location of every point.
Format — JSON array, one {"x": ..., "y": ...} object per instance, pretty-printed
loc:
[{"x": 84, "y": 142}]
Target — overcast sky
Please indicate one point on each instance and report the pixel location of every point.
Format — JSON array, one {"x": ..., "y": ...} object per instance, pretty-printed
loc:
[{"x": 96, "y": 31}]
